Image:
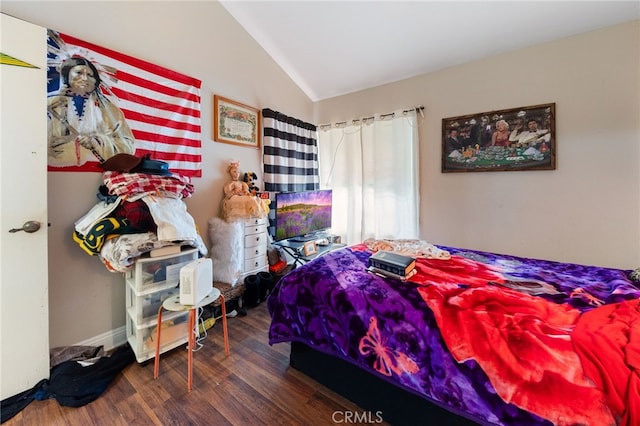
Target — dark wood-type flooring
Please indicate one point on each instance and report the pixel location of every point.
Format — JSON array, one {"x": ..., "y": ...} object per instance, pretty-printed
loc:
[{"x": 253, "y": 386}]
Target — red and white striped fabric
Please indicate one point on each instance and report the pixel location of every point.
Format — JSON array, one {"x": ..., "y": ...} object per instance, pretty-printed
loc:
[
  {"x": 136, "y": 185},
  {"x": 161, "y": 106}
]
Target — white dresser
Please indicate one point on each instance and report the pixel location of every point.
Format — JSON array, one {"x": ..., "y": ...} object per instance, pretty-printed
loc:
[{"x": 255, "y": 246}]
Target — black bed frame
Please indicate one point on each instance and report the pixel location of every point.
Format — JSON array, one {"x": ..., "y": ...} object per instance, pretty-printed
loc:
[{"x": 371, "y": 393}]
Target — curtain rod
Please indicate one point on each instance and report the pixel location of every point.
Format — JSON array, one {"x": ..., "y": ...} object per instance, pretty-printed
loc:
[{"x": 419, "y": 109}]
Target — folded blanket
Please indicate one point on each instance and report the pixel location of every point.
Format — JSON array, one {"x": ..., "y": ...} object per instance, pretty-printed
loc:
[
  {"x": 120, "y": 254},
  {"x": 135, "y": 185},
  {"x": 99, "y": 211},
  {"x": 173, "y": 221}
]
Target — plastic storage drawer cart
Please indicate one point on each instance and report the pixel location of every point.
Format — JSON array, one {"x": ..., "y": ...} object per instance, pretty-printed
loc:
[{"x": 149, "y": 283}]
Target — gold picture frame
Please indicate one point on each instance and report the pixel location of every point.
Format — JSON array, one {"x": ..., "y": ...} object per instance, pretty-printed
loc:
[
  {"x": 236, "y": 123},
  {"x": 309, "y": 248},
  {"x": 471, "y": 143}
]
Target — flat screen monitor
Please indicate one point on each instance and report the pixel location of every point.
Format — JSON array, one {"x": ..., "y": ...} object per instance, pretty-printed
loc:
[{"x": 300, "y": 216}]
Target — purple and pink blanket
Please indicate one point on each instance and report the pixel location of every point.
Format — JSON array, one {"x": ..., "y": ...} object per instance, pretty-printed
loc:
[{"x": 498, "y": 339}]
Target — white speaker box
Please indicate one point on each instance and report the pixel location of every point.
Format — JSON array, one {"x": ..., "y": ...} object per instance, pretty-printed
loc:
[{"x": 196, "y": 281}]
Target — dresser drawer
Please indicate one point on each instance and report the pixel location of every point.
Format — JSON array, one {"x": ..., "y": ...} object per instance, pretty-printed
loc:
[
  {"x": 255, "y": 239},
  {"x": 255, "y": 229},
  {"x": 256, "y": 221},
  {"x": 255, "y": 251},
  {"x": 255, "y": 263}
]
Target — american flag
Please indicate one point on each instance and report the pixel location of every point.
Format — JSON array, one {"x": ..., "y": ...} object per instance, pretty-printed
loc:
[{"x": 161, "y": 106}]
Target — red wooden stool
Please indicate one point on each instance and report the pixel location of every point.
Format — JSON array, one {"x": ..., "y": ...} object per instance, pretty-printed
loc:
[{"x": 173, "y": 304}]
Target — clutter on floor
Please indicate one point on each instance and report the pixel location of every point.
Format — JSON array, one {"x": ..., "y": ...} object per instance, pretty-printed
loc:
[{"x": 73, "y": 383}]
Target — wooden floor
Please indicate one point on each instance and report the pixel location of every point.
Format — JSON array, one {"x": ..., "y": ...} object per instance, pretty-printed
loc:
[{"x": 253, "y": 386}]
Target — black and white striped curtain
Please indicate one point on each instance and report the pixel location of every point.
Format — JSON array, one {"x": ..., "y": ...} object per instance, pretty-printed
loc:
[{"x": 290, "y": 154}]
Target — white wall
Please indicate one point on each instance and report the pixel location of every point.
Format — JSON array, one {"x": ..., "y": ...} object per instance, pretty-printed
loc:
[
  {"x": 199, "y": 39},
  {"x": 588, "y": 209}
]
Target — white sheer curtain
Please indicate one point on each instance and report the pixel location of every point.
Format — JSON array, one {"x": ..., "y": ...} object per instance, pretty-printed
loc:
[{"x": 372, "y": 167}]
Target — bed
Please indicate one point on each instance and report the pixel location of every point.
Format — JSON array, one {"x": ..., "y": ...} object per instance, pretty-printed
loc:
[{"x": 477, "y": 338}]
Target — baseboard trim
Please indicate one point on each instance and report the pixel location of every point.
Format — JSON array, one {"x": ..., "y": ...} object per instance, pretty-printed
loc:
[{"x": 109, "y": 340}]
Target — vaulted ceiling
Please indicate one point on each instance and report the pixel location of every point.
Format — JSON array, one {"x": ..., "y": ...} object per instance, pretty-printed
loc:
[{"x": 331, "y": 48}]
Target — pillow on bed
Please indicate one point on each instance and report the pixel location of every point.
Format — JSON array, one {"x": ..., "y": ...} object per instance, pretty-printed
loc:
[
  {"x": 635, "y": 275},
  {"x": 227, "y": 247}
]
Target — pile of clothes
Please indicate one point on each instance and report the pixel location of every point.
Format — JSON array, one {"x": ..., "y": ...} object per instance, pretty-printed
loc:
[{"x": 140, "y": 197}]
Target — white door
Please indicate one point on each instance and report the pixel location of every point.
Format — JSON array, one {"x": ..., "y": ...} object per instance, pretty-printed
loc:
[{"x": 24, "y": 298}]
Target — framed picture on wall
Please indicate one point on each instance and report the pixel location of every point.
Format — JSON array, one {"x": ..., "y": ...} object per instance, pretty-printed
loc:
[
  {"x": 521, "y": 138},
  {"x": 236, "y": 123}
]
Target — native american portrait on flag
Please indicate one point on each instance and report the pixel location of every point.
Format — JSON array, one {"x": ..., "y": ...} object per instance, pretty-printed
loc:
[{"x": 101, "y": 103}]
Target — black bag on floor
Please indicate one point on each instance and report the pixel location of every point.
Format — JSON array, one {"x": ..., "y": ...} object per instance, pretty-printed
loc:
[{"x": 71, "y": 384}]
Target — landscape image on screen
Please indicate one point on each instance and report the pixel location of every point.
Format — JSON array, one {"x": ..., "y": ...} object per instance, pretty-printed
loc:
[{"x": 302, "y": 213}]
